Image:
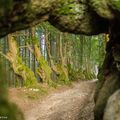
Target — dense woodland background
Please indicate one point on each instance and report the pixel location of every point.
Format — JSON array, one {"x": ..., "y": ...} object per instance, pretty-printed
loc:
[{"x": 42, "y": 54}]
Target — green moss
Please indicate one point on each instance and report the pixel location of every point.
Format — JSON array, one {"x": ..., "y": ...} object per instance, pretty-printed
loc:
[
  {"x": 115, "y": 4},
  {"x": 102, "y": 8},
  {"x": 44, "y": 70},
  {"x": 25, "y": 72},
  {"x": 69, "y": 9},
  {"x": 88, "y": 75},
  {"x": 75, "y": 75},
  {"x": 18, "y": 66},
  {"x": 62, "y": 76}
]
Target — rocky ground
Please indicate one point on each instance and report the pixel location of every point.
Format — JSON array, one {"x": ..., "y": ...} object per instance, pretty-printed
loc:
[{"x": 71, "y": 103}]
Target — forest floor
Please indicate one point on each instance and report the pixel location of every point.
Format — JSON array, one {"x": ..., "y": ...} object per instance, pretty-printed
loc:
[{"x": 66, "y": 103}]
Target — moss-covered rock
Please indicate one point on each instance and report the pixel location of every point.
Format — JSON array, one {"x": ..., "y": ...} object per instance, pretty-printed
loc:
[
  {"x": 102, "y": 8},
  {"x": 109, "y": 87},
  {"x": 77, "y": 18},
  {"x": 67, "y": 15},
  {"x": 80, "y": 17},
  {"x": 115, "y": 4},
  {"x": 112, "y": 110}
]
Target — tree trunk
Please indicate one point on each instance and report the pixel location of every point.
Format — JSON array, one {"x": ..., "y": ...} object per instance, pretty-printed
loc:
[
  {"x": 59, "y": 69},
  {"x": 18, "y": 67},
  {"x": 44, "y": 70}
]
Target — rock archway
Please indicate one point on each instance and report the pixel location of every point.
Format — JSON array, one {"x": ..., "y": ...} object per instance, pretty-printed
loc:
[{"x": 88, "y": 17}]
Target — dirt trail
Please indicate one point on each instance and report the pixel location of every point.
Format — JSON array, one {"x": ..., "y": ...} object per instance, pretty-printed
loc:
[{"x": 75, "y": 103}]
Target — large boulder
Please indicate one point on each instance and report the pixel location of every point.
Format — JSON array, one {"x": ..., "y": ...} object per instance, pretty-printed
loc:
[
  {"x": 76, "y": 16},
  {"x": 112, "y": 110},
  {"x": 110, "y": 85}
]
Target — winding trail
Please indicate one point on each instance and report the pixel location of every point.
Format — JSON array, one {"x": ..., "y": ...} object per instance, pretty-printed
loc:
[{"x": 75, "y": 103}]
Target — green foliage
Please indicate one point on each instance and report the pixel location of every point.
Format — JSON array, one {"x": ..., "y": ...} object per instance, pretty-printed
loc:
[
  {"x": 75, "y": 75},
  {"x": 26, "y": 74},
  {"x": 8, "y": 110},
  {"x": 33, "y": 40},
  {"x": 62, "y": 76},
  {"x": 89, "y": 75},
  {"x": 44, "y": 70}
]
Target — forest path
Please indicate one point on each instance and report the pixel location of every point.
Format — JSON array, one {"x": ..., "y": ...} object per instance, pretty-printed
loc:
[{"x": 75, "y": 103}]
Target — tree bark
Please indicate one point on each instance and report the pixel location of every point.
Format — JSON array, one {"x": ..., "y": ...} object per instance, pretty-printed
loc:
[{"x": 17, "y": 64}]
